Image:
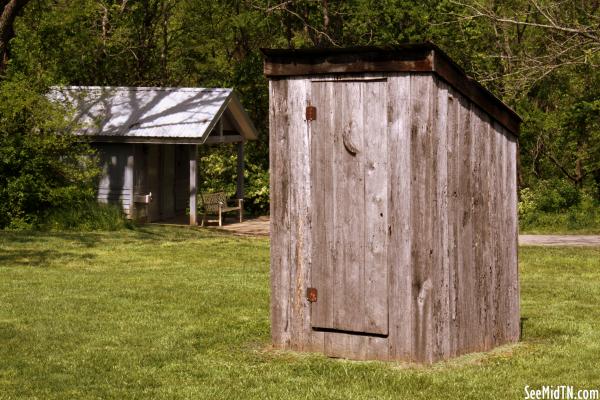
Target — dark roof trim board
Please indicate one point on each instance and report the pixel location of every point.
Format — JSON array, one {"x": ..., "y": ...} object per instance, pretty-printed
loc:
[{"x": 425, "y": 57}]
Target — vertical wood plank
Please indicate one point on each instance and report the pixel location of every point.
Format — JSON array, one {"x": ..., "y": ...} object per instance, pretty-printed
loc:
[
  {"x": 181, "y": 175},
  {"x": 296, "y": 131},
  {"x": 465, "y": 237},
  {"x": 487, "y": 238},
  {"x": 319, "y": 177},
  {"x": 128, "y": 181},
  {"x": 377, "y": 348},
  {"x": 507, "y": 284},
  {"x": 302, "y": 336},
  {"x": 349, "y": 208},
  {"x": 140, "y": 185},
  {"x": 504, "y": 306},
  {"x": 512, "y": 242},
  {"x": 454, "y": 216},
  {"x": 478, "y": 224},
  {"x": 167, "y": 181},
  {"x": 423, "y": 188},
  {"x": 153, "y": 180},
  {"x": 494, "y": 231},
  {"x": 441, "y": 312},
  {"x": 503, "y": 276},
  {"x": 344, "y": 345},
  {"x": 322, "y": 207},
  {"x": 348, "y": 249},
  {"x": 193, "y": 183},
  {"x": 399, "y": 214},
  {"x": 279, "y": 202},
  {"x": 374, "y": 265}
]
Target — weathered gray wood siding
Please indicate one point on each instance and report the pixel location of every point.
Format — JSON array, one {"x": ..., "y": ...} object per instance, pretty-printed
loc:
[
  {"x": 450, "y": 251},
  {"x": 167, "y": 180},
  {"x": 153, "y": 185},
  {"x": 115, "y": 185},
  {"x": 182, "y": 178},
  {"x": 163, "y": 170},
  {"x": 137, "y": 169}
]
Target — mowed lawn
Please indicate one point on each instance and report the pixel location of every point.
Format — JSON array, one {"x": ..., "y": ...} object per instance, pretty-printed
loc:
[{"x": 173, "y": 313}]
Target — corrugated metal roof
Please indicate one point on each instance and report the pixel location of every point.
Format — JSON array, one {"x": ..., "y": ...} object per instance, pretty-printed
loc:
[{"x": 147, "y": 112}]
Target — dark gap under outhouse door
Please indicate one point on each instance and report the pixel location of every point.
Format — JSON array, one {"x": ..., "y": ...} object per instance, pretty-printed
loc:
[{"x": 349, "y": 275}]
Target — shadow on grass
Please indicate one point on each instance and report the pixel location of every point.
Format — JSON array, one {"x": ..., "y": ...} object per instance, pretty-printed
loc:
[
  {"x": 8, "y": 331},
  {"x": 46, "y": 248},
  {"x": 39, "y": 258},
  {"x": 159, "y": 233},
  {"x": 86, "y": 239}
]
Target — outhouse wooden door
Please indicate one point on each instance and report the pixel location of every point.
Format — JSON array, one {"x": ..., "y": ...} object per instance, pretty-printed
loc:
[{"x": 349, "y": 206}]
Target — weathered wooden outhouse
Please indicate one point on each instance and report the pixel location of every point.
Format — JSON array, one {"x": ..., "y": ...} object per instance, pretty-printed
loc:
[
  {"x": 147, "y": 141},
  {"x": 393, "y": 205}
]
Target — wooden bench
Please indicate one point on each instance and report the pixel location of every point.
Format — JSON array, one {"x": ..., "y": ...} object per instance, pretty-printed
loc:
[{"x": 216, "y": 204}]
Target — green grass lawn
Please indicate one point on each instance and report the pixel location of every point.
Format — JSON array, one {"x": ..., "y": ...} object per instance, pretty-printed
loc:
[{"x": 179, "y": 314}]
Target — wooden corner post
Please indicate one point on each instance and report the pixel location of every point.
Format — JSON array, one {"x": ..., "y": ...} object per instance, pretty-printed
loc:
[
  {"x": 240, "y": 171},
  {"x": 193, "y": 184}
]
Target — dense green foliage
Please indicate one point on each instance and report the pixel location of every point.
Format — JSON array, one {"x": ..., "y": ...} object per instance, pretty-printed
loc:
[
  {"x": 558, "y": 208},
  {"x": 85, "y": 216},
  {"x": 539, "y": 56},
  {"x": 172, "y": 313},
  {"x": 43, "y": 167}
]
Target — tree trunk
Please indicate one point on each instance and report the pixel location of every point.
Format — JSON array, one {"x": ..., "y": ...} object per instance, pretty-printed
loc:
[
  {"x": 596, "y": 175},
  {"x": 164, "y": 53},
  {"x": 325, "y": 8},
  {"x": 9, "y": 9}
]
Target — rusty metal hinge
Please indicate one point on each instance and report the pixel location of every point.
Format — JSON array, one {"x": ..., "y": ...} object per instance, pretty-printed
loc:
[
  {"x": 311, "y": 113},
  {"x": 311, "y": 294}
]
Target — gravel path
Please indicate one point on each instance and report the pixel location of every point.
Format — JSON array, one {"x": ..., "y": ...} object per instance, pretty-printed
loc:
[
  {"x": 560, "y": 240},
  {"x": 260, "y": 227}
]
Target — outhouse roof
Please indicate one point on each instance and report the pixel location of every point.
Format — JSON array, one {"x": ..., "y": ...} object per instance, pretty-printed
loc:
[
  {"x": 420, "y": 57},
  {"x": 172, "y": 115}
]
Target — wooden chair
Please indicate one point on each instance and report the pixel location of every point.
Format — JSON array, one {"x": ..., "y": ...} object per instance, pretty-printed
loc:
[{"x": 216, "y": 204}]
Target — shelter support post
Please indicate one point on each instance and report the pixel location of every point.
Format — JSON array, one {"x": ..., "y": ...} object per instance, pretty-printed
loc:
[
  {"x": 193, "y": 184},
  {"x": 240, "y": 171}
]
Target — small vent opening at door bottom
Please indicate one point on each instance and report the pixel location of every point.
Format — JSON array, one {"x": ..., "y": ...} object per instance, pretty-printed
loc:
[{"x": 350, "y": 332}]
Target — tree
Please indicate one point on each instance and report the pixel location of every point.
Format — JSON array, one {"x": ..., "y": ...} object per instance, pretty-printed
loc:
[
  {"x": 540, "y": 56},
  {"x": 9, "y": 9},
  {"x": 534, "y": 38},
  {"x": 43, "y": 165}
]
